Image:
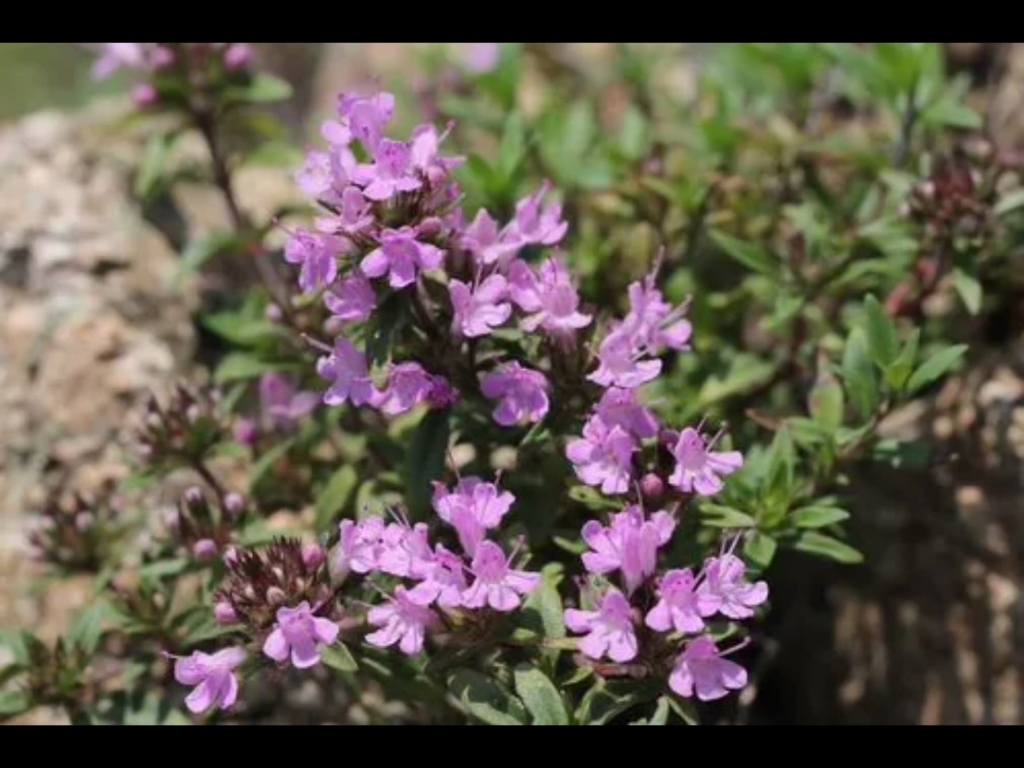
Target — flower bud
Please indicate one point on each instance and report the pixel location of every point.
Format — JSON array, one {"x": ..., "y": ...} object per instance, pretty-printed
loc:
[
  {"x": 193, "y": 496},
  {"x": 224, "y": 613},
  {"x": 237, "y": 56},
  {"x": 234, "y": 504},
  {"x": 652, "y": 488},
  {"x": 245, "y": 431},
  {"x": 205, "y": 549},
  {"x": 84, "y": 521},
  {"x": 231, "y": 556},
  {"x": 273, "y": 313},
  {"x": 276, "y": 595},
  {"x": 312, "y": 555},
  {"x": 144, "y": 95},
  {"x": 193, "y": 413}
]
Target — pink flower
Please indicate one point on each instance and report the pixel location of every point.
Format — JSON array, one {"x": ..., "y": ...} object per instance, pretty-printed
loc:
[
  {"x": 401, "y": 621},
  {"x": 117, "y": 56},
  {"x": 535, "y": 226},
  {"x": 317, "y": 255},
  {"x": 482, "y": 239},
  {"x": 472, "y": 508},
  {"x": 282, "y": 403},
  {"x": 443, "y": 583},
  {"x": 480, "y": 309},
  {"x": 238, "y": 56},
  {"x": 701, "y": 669},
  {"x": 346, "y": 368},
  {"x": 353, "y": 300},
  {"x": 314, "y": 177},
  {"x": 699, "y": 470},
  {"x": 620, "y": 364},
  {"x": 405, "y": 550},
  {"x": 549, "y": 297},
  {"x": 213, "y": 677},
  {"x": 522, "y": 393},
  {"x": 653, "y": 322},
  {"x": 620, "y": 408},
  {"x": 392, "y": 172},
  {"x": 424, "y": 146},
  {"x": 354, "y": 214},
  {"x": 678, "y": 605},
  {"x": 609, "y": 629},
  {"x": 144, "y": 95},
  {"x": 481, "y": 58},
  {"x": 603, "y": 457},
  {"x": 725, "y": 589},
  {"x": 401, "y": 256},
  {"x": 298, "y": 635},
  {"x": 409, "y": 385},
  {"x": 630, "y": 544},
  {"x": 359, "y": 546},
  {"x": 496, "y": 584},
  {"x": 367, "y": 116}
]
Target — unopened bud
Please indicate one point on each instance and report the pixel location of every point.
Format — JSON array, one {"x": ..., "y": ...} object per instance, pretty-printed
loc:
[
  {"x": 144, "y": 95},
  {"x": 84, "y": 521},
  {"x": 205, "y": 549},
  {"x": 245, "y": 432},
  {"x": 237, "y": 56},
  {"x": 171, "y": 519},
  {"x": 193, "y": 496},
  {"x": 333, "y": 326},
  {"x": 312, "y": 555},
  {"x": 234, "y": 504},
  {"x": 275, "y": 595},
  {"x": 224, "y": 613},
  {"x": 431, "y": 227},
  {"x": 652, "y": 488},
  {"x": 231, "y": 556},
  {"x": 193, "y": 413},
  {"x": 273, "y": 313},
  {"x": 162, "y": 57}
]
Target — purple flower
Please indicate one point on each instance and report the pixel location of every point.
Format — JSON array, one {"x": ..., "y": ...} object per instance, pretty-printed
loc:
[
  {"x": 699, "y": 470},
  {"x": 482, "y": 239},
  {"x": 620, "y": 364},
  {"x": 402, "y": 621},
  {"x": 298, "y": 635},
  {"x": 443, "y": 583},
  {"x": 701, "y": 669},
  {"x": 117, "y": 56},
  {"x": 314, "y": 177},
  {"x": 401, "y": 256},
  {"x": 317, "y": 254},
  {"x": 213, "y": 677},
  {"x": 496, "y": 584},
  {"x": 424, "y": 146},
  {"x": 280, "y": 401},
  {"x": 224, "y": 613},
  {"x": 653, "y": 322},
  {"x": 620, "y": 408},
  {"x": 629, "y": 544},
  {"x": 238, "y": 56},
  {"x": 535, "y": 226},
  {"x": 481, "y": 58},
  {"x": 405, "y": 550},
  {"x": 603, "y": 457},
  {"x": 609, "y": 629},
  {"x": 725, "y": 589},
  {"x": 392, "y": 172},
  {"x": 409, "y": 385},
  {"x": 522, "y": 393},
  {"x": 354, "y": 213},
  {"x": 346, "y": 368},
  {"x": 245, "y": 431},
  {"x": 353, "y": 300},
  {"x": 678, "y": 605},
  {"x": 480, "y": 309},
  {"x": 359, "y": 546},
  {"x": 144, "y": 95},
  {"x": 549, "y": 297},
  {"x": 367, "y": 116},
  {"x": 472, "y": 508}
]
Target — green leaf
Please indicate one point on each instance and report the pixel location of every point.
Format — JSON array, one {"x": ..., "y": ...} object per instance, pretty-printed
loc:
[
  {"x": 781, "y": 472},
  {"x": 814, "y": 516},
  {"x": 485, "y": 699},
  {"x": 542, "y": 610},
  {"x": 898, "y": 373},
  {"x": 540, "y": 696},
  {"x": 1009, "y": 203},
  {"x": 748, "y": 254},
  {"x": 969, "y": 289},
  {"x": 274, "y": 154},
  {"x": 200, "y": 251},
  {"x": 935, "y": 367},
  {"x": 826, "y": 546},
  {"x": 606, "y": 700},
  {"x": 718, "y": 516},
  {"x": 335, "y": 495},
  {"x": 634, "y": 138},
  {"x": 760, "y": 548},
  {"x": 88, "y": 628},
  {"x": 661, "y": 712},
  {"x": 883, "y": 346},
  {"x": 14, "y": 703},
  {"x": 426, "y": 458},
  {"x": 337, "y": 656},
  {"x": 262, "y": 89},
  {"x": 825, "y": 401},
  {"x": 154, "y": 164},
  {"x": 241, "y": 329},
  {"x": 237, "y": 366},
  {"x": 685, "y": 709},
  {"x": 268, "y": 460},
  {"x": 512, "y": 151},
  {"x": 859, "y": 374}
]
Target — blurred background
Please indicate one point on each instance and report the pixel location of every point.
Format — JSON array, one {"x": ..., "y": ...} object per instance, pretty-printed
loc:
[{"x": 929, "y": 630}]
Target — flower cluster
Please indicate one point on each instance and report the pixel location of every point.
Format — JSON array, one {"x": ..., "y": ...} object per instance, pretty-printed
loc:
[
  {"x": 393, "y": 228},
  {"x": 204, "y": 529},
  {"x": 482, "y": 576},
  {"x": 282, "y": 406},
  {"x": 156, "y": 60}
]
